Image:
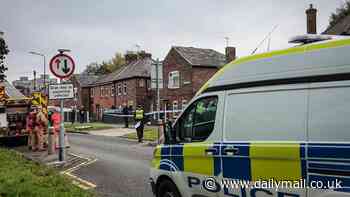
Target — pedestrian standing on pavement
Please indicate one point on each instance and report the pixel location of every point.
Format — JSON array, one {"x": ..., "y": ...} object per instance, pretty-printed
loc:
[
  {"x": 73, "y": 114},
  {"x": 39, "y": 129},
  {"x": 125, "y": 112},
  {"x": 139, "y": 117},
  {"x": 81, "y": 115},
  {"x": 30, "y": 123},
  {"x": 56, "y": 124}
]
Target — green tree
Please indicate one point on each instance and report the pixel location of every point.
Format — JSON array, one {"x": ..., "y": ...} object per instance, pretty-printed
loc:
[
  {"x": 91, "y": 68},
  {"x": 106, "y": 67},
  {"x": 117, "y": 61},
  {"x": 3, "y": 52},
  {"x": 340, "y": 13}
]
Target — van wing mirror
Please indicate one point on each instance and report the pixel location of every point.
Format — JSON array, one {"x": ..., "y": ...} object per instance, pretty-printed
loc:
[{"x": 168, "y": 133}]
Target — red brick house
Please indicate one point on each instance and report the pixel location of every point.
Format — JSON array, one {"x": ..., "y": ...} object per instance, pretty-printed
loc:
[
  {"x": 129, "y": 85},
  {"x": 186, "y": 69}
]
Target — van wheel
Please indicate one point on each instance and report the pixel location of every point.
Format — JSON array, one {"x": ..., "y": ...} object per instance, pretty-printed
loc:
[{"x": 167, "y": 189}]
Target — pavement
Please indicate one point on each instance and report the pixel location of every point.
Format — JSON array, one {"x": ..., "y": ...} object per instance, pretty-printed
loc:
[{"x": 121, "y": 168}]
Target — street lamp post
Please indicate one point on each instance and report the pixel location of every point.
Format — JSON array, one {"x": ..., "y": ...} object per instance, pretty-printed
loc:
[{"x": 42, "y": 55}]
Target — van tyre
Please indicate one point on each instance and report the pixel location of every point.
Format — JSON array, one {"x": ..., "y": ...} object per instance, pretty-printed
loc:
[{"x": 167, "y": 189}]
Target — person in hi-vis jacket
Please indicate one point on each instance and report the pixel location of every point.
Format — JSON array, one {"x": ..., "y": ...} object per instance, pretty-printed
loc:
[{"x": 139, "y": 117}]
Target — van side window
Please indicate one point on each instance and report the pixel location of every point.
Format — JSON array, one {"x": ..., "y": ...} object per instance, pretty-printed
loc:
[
  {"x": 270, "y": 115},
  {"x": 329, "y": 114},
  {"x": 197, "y": 123}
]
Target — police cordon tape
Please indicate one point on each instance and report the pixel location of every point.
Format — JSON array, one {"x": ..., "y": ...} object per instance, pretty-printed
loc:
[
  {"x": 212, "y": 185},
  {"x": 115, "y": 113}
]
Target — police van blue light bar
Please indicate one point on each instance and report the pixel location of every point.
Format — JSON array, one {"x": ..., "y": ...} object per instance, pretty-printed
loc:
[{"x": 309, "y": 38}]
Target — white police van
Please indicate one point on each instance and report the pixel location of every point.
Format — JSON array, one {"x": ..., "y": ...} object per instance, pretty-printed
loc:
[{"x": 281, "y": 116}]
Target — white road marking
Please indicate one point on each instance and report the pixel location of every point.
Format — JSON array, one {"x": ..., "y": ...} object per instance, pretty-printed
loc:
[{"x": 76, "y": 180}]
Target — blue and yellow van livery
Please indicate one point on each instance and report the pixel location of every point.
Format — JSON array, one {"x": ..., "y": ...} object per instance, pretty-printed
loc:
[{"x": 281, "y": 116}]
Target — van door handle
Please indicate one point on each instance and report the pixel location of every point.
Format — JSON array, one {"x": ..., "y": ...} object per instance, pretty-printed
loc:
[
  {"x": 210, "y": 151},
  {"x": 231, "y": 151}
]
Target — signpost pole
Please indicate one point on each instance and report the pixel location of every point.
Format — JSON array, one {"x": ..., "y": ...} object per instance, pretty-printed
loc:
[
  {"x": 62, "y": 153},
  {"x": 62, "y": 66}
]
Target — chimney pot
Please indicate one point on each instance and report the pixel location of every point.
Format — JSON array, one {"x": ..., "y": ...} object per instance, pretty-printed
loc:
[
  {"x": 230, "y": 53},
  {"x": 311, "y": 22}
]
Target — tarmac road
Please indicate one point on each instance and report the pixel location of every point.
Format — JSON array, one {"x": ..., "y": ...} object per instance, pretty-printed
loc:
[{"x": 121, "y": 169}]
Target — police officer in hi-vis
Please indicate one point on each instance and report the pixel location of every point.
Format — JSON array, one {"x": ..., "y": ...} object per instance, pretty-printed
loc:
[{"x": 139, "y": 117}]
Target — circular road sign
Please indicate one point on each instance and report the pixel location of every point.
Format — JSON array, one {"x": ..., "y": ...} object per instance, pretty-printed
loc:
[{"x": 62, "y": 66}]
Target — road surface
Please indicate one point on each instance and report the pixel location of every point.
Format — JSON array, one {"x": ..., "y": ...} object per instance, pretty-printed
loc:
[{"x": 121, "y": 169}]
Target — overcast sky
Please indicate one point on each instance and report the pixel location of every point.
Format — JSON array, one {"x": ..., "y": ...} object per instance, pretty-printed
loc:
[{"x": 95, "y": 30}]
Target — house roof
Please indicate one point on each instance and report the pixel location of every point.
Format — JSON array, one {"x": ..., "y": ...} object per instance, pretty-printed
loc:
[
  {"x": 138, "y": 68},
  {"x": 86, "y": 79},
  {"x": 201, "y": 57},
  {"x": 341, "y": 27},
  {"x": 12, "y": 92}
]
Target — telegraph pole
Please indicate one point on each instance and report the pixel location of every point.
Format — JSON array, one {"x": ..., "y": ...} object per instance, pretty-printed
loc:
[
  {"x": 34, "y": 81},
  {"x": 157, "y": 88}
]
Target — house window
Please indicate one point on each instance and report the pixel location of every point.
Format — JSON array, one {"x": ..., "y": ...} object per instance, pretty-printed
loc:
[
  {"x": 148, "y": 84},
  {"x": 174, "y": 80},
  {"x": 107, "y": 91},
  {"x": 112, "y": 91},
  {"x": 141, "y": 83},
  {"x": 175, "y": 105},
  {"x": 119, "y": 89},
  {"x": 92, "y": 93},
  {"x": 101, "y": 89},
  {"x": 124, "y": 88},
  {"x": 183, "y": 104}
]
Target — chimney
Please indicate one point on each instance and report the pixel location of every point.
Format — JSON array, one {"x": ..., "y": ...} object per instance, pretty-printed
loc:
[
  {"x": 143, "y": 54},
  {"x": 311, "y": 23},
  {"x": 230, "y": 53},
  {"x": 130, "y": 57}
]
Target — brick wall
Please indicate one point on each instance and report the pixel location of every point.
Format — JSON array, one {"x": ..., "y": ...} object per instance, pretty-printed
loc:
[
  {"x": 102, "y": 98},
  {"x": 137, "y": 92},
  {"x": 174, "y": 62},
  {"x": 200, "y": 75},
  {"x": 85, "y": 100},
  {"x": 191, "y": 79}
]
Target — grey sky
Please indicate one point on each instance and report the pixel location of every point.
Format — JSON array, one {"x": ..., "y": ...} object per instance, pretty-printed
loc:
[{"x": 95, "y": 30}]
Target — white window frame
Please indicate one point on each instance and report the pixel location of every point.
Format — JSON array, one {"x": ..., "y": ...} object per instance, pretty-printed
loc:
[
  {"x": 184, "y": 104},
  {"x": 124, "y": 88},
  {"x": 141, "y": 83},
  {"x": 119, "y": 89},
  {"x": 92, "y": 93},
  {"x": 175, "y": 103},
  {"x": 172, "y": 84},
  {"x": 112, "y": 91}
]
